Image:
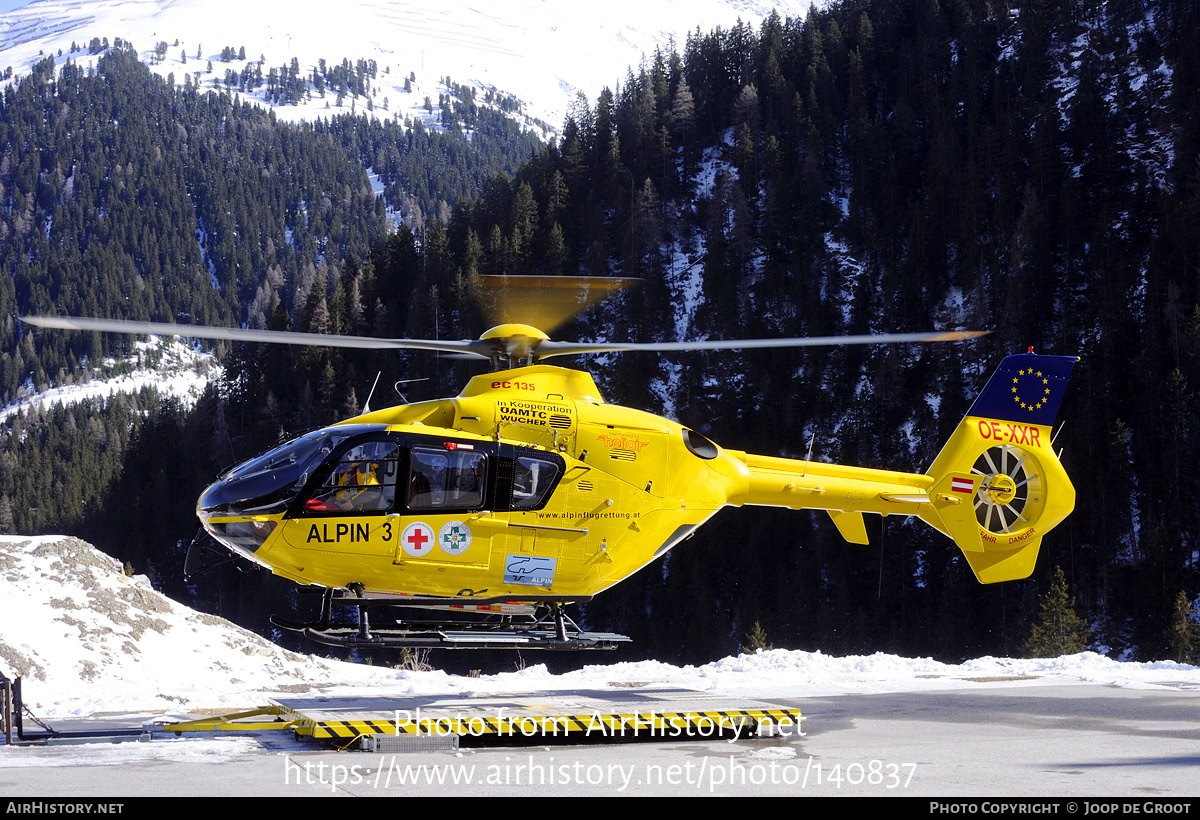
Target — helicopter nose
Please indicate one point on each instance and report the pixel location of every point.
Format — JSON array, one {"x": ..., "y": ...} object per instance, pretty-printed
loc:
[
  {"x": 256, "y": 493},
  {"x": 243, "y": 537}
]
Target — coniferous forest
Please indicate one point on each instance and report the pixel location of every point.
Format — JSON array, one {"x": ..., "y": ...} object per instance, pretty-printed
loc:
[{"x": 880, "y": 166}]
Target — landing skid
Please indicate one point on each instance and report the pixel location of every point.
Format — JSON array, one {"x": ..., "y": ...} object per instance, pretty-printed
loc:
[{"x": 542, "y": 624}]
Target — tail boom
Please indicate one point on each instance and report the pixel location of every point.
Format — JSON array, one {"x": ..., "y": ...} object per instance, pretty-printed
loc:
[
  {"x": 996, "y": 488},
  {"x": 844, "y": 492}
]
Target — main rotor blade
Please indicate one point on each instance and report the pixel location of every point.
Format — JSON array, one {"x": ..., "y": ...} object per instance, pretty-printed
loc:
[
  {"x": 234, "y": 334},
  {"x": 538, "y": 349},
  {"x": 550, "y": 348}
]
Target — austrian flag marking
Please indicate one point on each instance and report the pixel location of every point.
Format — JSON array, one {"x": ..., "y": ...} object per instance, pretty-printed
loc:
[{"x": 962, "y": 485}]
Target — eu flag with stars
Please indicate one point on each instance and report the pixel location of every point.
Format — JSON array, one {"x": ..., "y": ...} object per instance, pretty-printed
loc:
[{"x": 1027, "y": 388}]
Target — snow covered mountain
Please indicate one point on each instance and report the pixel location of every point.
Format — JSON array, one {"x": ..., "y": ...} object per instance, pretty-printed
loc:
[
  {"x": 168, "y": 365},
  {"x": 543, "y": 52}
]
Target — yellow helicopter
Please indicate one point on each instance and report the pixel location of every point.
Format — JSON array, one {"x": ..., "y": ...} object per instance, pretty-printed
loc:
[{"x": 528, "y": 491}]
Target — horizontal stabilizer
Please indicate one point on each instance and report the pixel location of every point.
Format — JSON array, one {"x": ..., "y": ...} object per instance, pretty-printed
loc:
[{"x": 851, "y": 526}]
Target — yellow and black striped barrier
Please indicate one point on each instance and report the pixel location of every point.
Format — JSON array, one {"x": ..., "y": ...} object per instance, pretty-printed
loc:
[
  {"x": 341, "y": 721},
  {"x": 661, "y": 725}
]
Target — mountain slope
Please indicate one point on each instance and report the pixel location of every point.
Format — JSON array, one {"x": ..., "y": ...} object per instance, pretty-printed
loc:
[{"x": 544, "y": 53}]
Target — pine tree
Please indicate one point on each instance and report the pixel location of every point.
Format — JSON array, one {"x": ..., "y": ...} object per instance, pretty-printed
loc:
[
  {"x": 1183, "y": 635},
  {"x": 1059, "y": 630},
  {"x": 756, "y": 640}
]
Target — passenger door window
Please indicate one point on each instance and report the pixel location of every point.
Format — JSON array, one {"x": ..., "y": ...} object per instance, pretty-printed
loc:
[{"x": 446, "y": 479}]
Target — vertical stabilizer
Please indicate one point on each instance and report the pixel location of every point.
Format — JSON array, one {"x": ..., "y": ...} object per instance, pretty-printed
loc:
[{"x": 998, "y": 485}]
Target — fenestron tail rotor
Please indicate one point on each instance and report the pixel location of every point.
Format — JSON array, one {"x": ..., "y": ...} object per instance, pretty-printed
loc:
[{"x": 1007, "y": 494}]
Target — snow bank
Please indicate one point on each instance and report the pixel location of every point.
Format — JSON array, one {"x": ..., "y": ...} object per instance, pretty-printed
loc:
[{"x": 89, "y": 640}]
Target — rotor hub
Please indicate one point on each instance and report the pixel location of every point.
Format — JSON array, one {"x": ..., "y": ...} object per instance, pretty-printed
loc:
[
  {"x": 514, "y": 343},
  {"x": 1001, "y": 489}
]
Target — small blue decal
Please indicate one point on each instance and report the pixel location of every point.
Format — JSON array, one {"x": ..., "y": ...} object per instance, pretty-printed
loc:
[{"x": 529, "y": 570}]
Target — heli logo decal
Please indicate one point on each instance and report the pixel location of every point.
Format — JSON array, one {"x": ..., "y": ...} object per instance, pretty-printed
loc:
[
  {"x": 631, "y": 443},
  {"x": 417, "y": 539},
  {"x": 962, "y": 485},
  {"x": 529, "y": 570},
  {"x": 454, "y": 538},
  {"x": 1013, "y": 433}
]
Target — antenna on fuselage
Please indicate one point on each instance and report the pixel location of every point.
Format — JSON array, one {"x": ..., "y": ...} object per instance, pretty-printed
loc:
[{"x": 367, "y": 404}]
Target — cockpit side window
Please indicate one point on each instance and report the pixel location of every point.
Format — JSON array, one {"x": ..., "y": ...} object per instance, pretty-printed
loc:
[
  {"x": 446, "y": 479},
  {"x": 363, "y": 480},
  {"x": 525, "y": 480},
  {"x": 273, "y": 482},
  {"x": 533, "y": 478}
]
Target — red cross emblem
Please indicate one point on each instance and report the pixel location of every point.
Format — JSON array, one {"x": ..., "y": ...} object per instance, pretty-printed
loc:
[{"x": 417, "y": 539}]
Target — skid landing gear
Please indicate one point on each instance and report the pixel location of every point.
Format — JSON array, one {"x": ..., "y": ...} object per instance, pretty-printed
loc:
[{"x": 474, "y": 623}]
